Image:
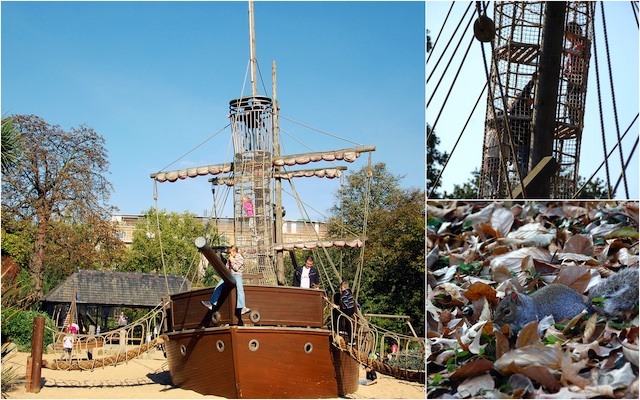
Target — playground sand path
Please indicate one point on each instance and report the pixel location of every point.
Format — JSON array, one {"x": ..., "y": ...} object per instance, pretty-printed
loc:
[{"x": 147, "y": 377}]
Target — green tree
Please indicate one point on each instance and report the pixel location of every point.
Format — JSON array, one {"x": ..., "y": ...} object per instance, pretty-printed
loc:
[
  {"x": 165, "y": 236},
  {"x": 393, "y": 282},
  {"x": 59, "y": 178},
  {"x": 393, "y": 274},
  {"x": 10, "y": 143},
  {"x": 435, "y": 162},
  {"x": 468, "y": 190},
  {"x": 595, "y": 189}
]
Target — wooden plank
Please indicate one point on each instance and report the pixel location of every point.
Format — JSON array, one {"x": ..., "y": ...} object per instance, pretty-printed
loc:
[
  {"x": 541, "y": 172},
  {"x": 274, "y": 305}
]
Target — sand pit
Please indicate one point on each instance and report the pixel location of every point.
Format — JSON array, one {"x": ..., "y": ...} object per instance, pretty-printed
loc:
[{"x": 148, "y": 377}]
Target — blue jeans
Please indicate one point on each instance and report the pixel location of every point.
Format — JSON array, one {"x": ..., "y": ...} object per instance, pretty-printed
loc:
[{"x": 240, "y": 301}]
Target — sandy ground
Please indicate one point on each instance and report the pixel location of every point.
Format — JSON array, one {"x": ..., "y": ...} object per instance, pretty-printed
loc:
[{"x": 148, "y": 377}]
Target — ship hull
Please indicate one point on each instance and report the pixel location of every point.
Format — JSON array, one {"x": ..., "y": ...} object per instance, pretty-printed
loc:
[{"x": 292, "y": 360}]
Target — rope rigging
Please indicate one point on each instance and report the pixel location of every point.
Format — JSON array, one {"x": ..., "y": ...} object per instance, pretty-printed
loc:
[
  {"x": 613, "y": 96},
  {"x": 604, "y": 139},
  {"x": 607, "y": 156},
  {"x": 433, "y": 46},
  {"x": 464, "y": 128},
  {"x": 449, "y": 42}
]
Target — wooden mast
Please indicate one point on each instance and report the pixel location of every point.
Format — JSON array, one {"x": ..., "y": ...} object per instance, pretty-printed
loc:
[
  {"x": 278, "y": 211},
  {"x": 252, "y": 46}
]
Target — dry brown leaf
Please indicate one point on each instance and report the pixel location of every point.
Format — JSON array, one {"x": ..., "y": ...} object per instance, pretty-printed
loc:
[
  {"x": 542, "y": 375},
  {"x": 590, "y": 328},
  {"x": 624, "y": 257},
  {"x": 500, "y": 273},
  {"x": 474, "y": 367},
  {"x": 449, "y": 295},
  {"x": 485, "y": 229},
  {"x": 528, "y": 335},
  {"x": 502, "y": 220},
  {"x": 478, "y": 290},
  {"x": 582, "y": 349},
  {"x": 544, "y": 268},
  {"x": 577, "y": 278},
  {"x": 502, "y": 344},
  {"x": 547, "y": 356},
  {"x": 533, "y": 234},
  {"x": 571, "y": 369},
  {"x": 513, "y": 260},
  {"x": 579, "y": 244},
  {"x": 573, "y": 211},
  {"x": 471, "y": 386}
]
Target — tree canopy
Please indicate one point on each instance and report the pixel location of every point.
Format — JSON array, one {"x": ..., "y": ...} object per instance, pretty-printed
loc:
[
  {"x": 168, "y": 250},
  {"x": 392, "y": 280},
  {"x": 58, "y": 180}
]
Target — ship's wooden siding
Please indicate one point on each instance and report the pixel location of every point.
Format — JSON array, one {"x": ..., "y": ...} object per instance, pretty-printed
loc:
[
  {"x": 268, "y": 362},
  {"x": 202, "y": 367},
  {"x": 276, "y": 305}
]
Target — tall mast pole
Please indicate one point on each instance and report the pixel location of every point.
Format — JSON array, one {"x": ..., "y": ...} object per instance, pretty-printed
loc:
[
  {"x": 544, "y": 114},
  {"x": 252, "y": 45},
  {"x": 276, "y": 153}
]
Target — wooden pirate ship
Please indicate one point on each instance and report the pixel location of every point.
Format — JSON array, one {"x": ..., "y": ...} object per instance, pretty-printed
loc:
[{"x": 282, "y": 348}]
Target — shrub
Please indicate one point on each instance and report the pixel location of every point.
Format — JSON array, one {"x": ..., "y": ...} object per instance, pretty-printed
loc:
[{"x": 17, "y": 327}]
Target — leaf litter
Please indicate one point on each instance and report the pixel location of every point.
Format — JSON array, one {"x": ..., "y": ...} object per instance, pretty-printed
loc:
[{"x": 477, "y": 250}]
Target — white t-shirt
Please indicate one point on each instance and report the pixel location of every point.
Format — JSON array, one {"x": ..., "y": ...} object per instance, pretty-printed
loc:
[
  {"x": 305, "y": 282},
  {"x": 68, "y": 342}
]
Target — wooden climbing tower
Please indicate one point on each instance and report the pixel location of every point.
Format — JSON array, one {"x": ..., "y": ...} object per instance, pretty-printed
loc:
[
  {"x": 511, "y": 104},
  {"x": 251, "y": 125}
]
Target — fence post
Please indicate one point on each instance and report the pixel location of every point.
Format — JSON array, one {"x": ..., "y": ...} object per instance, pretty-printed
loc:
[{"x": 37, "y": 342}]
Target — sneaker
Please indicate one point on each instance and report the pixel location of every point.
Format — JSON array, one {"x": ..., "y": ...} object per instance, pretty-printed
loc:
[
  {"x": 245, "y": 310},
  {"x": 207, "y": 304}
]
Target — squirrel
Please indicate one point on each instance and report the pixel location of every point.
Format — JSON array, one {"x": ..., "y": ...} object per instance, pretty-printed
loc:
[{"x": 620, "y": 293}]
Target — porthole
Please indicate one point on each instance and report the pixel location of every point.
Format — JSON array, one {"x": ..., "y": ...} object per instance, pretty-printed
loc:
[
  {"x": 254, "y": 345},
  {"x": 255, "y": 316},
  {"x": 183, "y": 350},
  {"x": 308, "y": 347},
  {"x": 215, "y": 317},
  {"x": 220, "y": 346}
]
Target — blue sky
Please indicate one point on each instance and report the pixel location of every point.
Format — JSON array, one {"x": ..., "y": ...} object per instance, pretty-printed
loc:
[
  {"x": 623, "y": 45},
  {"x": 155, "y": 80}
]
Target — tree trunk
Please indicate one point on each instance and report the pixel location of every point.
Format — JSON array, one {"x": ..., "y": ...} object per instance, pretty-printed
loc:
[{"x": 40, "y": 245}]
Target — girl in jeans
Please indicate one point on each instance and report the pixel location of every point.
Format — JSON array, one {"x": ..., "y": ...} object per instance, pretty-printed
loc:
[{"x": 236, "y": 264}]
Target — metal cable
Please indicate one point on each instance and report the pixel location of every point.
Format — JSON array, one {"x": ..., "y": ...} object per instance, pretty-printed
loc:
[
  {"x": 575, "y": 195},
  {"x": 433, "y": 127},
  {"x": 613, "y": 98},
  {"x": 626, "y": 165},
  {"x": 602, "y": 129},
  {"x": 433, "y": 46},
  {"x": 435, "y": 184},
  {"x": 447, "y": 46}
]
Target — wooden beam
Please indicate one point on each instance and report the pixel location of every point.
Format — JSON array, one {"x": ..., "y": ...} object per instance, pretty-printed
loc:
[{"x": 541, "y": 174}]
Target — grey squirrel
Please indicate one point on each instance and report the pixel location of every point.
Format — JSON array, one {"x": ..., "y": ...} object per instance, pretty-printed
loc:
[{"x": 620, "y": 293}]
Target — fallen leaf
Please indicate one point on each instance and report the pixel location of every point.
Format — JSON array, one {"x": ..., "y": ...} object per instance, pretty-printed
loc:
[
  {"x": 513, "y": 260},
  {"x": 571, "y": 369},
  {"x": 528, "y": 335},
  {"x": 478, "y": 290},
  {"x": 547, "y": 356},
  {"x": 579, "y": 244},
  {"x": 624, "y": 231},
  {"x": 502, "y": 220},
  {"x": 474, "y": 367},
  {"x": 473, "y": 385}
]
